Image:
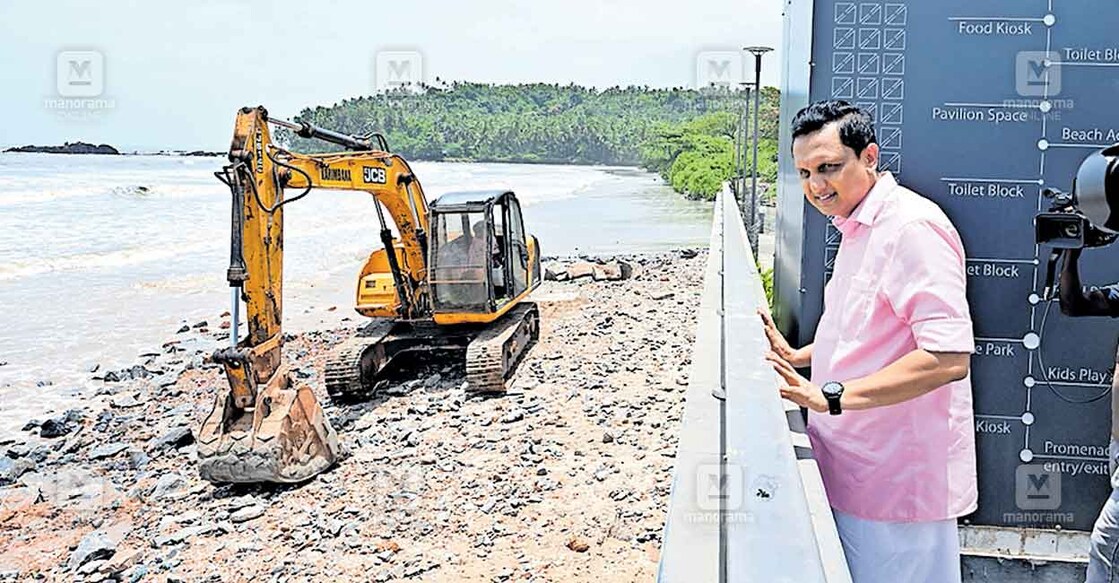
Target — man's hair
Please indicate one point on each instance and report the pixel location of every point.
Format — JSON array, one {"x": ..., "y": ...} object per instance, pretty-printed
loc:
[{"x": 856, "y": 128}]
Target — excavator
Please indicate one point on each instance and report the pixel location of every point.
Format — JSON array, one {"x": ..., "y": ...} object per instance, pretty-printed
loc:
[{"x": 454, "y": 279}]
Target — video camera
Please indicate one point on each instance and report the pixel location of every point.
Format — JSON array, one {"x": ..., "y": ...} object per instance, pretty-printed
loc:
[{"x": 1089, "y": 217}]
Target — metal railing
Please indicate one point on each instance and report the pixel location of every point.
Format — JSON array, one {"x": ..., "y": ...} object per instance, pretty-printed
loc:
[{"x": 747, "y": 503}]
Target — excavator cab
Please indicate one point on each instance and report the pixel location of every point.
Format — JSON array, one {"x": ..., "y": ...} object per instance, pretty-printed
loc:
[{"x": 479, "y": 256}]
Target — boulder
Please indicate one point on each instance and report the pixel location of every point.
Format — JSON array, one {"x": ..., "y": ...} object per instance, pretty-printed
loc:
[
  {"x": 607, "y": 272},
  {"x": 613, "y": 271},
  {"x": 555, "y": 272},
  {"x": 169, "y": 485},
  {"x": 248, "y": 513},
  {"x": 175, "y": 438},
  {"x": 52, "y": 428},
  {"x": 107, "y": 450},
  {"x": 95, "y": 546},
  {"x": 61, "y": 425},
  {"x": 580, "y": 269},
  {"x": 121, "y": 560},
  {"x": 125, "y": 401},
  {"x": 11, "y": 470},
  {"x": 626, "y": 268}
]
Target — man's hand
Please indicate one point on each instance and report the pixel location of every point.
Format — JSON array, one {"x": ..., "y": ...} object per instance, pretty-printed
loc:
[
  {"x": 795, "y": 387},
  {"x": 778, "y": 344}
]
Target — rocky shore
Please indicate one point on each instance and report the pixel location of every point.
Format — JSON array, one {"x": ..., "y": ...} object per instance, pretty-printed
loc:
[
  {"x": 84, "y": 148},
  {"x": 564, "y": 478},
  {"x": 68, "y": 148}
]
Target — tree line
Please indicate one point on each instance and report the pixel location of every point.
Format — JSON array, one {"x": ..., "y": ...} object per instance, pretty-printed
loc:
[{"x": 685, "y": 135}]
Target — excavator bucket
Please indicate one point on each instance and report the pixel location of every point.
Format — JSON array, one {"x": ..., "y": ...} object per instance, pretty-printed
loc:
[{"x": 284, "y": 437}]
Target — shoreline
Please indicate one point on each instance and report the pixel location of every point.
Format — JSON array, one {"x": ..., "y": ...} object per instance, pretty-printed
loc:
[
  {"x": 115, "y": 153},
  {"x": 608, "y": 168}
]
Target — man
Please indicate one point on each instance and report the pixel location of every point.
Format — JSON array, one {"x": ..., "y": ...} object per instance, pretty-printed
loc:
[
  {"x": 1075, "y": 301},
  {"x": 890, "y": 415},
  {"x": 477, "y": 256}
]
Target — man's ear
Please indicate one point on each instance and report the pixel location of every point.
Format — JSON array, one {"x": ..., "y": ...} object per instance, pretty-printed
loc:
[{"x": 870, "y": 156}]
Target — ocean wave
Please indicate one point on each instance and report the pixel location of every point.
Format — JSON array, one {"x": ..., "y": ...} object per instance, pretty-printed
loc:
[
  {"x": 128, "y": 191},
  {"x": 93, "y": 261}
]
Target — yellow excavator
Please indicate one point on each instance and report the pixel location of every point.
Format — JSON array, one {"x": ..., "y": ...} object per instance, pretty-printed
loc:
[{"x": 453, "y": 280}]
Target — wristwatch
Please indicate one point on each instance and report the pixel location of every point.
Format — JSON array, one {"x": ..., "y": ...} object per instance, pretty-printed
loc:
[{"x": 832, "y": 392}]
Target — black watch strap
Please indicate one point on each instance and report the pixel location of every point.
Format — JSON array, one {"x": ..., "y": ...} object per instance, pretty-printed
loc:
[{"x": 833, "y": 391}]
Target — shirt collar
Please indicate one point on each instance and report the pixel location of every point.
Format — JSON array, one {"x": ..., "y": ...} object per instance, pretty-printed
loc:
[{"x": 866, "y": 213}]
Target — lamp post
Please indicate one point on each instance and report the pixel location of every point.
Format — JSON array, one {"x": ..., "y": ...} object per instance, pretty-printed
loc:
[
  {"x": 752, "y": 231},
  {"x": 740, "y": 150}
]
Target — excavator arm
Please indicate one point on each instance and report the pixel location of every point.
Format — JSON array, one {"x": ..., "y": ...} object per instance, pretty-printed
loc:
[
  {"x": 391, "y": 182},
  {"x": 262, "y": 428}
]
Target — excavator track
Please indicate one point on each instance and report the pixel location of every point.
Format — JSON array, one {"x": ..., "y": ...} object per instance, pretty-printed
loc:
[
  {"x": 344, "y": 367},
  {"x": 494, "y": 354}
]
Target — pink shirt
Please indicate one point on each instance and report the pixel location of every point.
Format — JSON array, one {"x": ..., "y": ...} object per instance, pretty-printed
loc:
[{"x": 899, "y": 284}]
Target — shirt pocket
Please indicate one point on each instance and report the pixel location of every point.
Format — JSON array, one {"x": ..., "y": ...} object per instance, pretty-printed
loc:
[{"x": 858, "y": 306}]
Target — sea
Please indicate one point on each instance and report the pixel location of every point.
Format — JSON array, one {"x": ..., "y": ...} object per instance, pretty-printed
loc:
[{"x": 105, "y": 258}]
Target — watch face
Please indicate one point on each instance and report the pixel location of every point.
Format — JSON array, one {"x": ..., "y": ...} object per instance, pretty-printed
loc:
[{"x": 832, "y": 388}]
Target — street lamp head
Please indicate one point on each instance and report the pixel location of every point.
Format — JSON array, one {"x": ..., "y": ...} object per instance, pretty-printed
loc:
[{"x": 758, "y": 51}]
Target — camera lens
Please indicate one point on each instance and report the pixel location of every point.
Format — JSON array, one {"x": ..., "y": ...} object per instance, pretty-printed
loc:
[{"x": 1072, "y": 230}]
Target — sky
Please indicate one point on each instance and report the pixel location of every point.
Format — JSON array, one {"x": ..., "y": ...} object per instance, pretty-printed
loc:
[{"x": 151, "y": 75}]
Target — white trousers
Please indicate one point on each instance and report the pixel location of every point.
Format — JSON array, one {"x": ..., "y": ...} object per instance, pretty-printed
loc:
[{"x": 900, "y": 552}]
